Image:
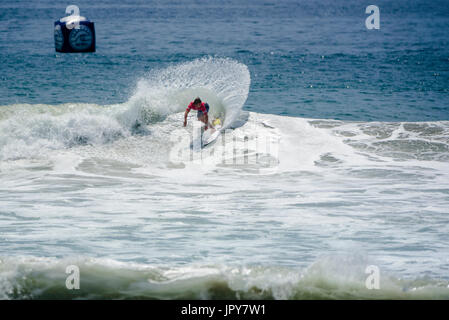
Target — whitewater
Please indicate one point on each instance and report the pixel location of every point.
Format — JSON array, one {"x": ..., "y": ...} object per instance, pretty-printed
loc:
[{"x": 279, "y": 207}]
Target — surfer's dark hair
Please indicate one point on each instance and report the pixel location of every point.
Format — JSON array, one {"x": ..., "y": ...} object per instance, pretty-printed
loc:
[{"x": 197, "y": 100}]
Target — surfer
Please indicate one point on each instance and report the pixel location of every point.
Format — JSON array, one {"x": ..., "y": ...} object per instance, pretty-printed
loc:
[{"x": 203, "y": 109}]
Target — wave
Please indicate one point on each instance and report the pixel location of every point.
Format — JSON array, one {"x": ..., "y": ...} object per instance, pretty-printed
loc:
[
  {"x": 224, "y": 83},
  {"x": 154, "y": 112},
  {"x": 328, "y": 278},
  {"x": 28, "y": 131}
]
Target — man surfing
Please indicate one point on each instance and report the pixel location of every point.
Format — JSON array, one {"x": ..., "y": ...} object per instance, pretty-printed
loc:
[{"x": 203, "y": 109}]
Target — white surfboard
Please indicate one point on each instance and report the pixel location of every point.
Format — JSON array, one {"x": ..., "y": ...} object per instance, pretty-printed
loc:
[{"x": 211, "y": 135}]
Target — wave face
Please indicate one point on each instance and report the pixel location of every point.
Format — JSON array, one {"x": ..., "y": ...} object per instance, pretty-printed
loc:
[
  {"x": 330, "y": 278},
  {"x": 28, "y": 131}
]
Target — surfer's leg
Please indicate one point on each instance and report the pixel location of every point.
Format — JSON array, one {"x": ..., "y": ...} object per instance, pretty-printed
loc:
[
  {"x": 201, "y": 117},
  {"x": 204, "y": 116}
]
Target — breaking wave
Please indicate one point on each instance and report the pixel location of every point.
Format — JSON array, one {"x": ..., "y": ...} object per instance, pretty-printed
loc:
[
  {"x": 328, "y": 278},
  {"x": 28, "y": 131}
]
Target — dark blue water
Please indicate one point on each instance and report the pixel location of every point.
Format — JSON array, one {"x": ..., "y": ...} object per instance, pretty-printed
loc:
[{"x": 306, "y": 59}]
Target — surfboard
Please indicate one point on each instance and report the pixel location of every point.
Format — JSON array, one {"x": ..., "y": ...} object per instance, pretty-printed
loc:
[
  {"x": 212, "y": 134},
  {"x": 212, "y": 137}
]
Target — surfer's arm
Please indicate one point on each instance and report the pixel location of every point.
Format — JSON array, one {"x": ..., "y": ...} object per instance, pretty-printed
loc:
[
  {"x": 207, "y": 120},
  {"x": 185, "y": 116}
]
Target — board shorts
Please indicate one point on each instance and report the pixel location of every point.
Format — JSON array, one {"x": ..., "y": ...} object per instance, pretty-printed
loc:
[{"x": 200, "y": 113}]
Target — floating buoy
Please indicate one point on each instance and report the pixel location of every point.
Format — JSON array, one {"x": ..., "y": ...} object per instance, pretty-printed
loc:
[{"x": 74, "y": 34}]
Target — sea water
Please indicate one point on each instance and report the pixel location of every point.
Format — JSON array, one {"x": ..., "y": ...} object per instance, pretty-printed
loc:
[{"x": 333, "y": 160}]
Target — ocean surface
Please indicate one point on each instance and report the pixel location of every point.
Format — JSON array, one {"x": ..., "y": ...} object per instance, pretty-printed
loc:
[{"x": 333, "y": 159}]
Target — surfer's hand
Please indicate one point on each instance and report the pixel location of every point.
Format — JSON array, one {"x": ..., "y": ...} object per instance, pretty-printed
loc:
[
  {"x": 205, "y": 128},
  {"x": 185, "y": 123}
]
